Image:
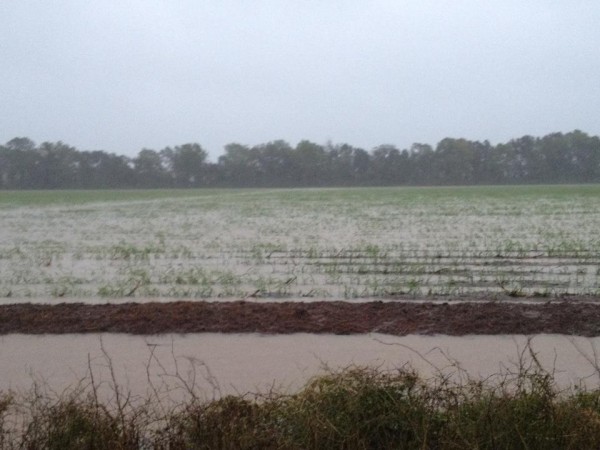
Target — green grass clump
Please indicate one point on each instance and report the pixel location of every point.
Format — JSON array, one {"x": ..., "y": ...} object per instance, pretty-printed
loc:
[
  {"x": 77, "y": 424},
  {"x": 230, "y": 422},
  {"x": 355, "y": 408},
  {"x": 359, "y": 408}
]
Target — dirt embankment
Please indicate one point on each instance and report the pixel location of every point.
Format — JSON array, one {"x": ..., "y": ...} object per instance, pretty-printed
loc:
[{"x": 395, "y": 318}]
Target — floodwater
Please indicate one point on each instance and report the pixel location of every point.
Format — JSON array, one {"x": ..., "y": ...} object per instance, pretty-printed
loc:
[
  {"x": 332, "y": 244},
  {"x": 216, "y": 364}
]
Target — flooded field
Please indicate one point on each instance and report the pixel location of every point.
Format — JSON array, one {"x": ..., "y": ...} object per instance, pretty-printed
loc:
[
  {"x": 299, "y": 244},
  {"x": 219, "y": 364},
  {"x": 304, "y": 245}
]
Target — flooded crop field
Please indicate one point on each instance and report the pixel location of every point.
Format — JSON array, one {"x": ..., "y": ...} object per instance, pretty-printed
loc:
[
  {"x": 338, "y": 244},
  {"x": 257, "y": 288}
]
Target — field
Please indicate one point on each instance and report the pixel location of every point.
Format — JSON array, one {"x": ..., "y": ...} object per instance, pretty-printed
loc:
[
  {"x": 283, "y": 272},
  {"x": 302, "y": 244}
]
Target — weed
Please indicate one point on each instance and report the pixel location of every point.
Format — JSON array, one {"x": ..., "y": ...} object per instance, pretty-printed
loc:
[{"x": 354, "y": 408}]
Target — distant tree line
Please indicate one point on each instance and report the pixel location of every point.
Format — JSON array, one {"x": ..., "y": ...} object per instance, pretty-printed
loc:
[{"x": 556, "y": 158}]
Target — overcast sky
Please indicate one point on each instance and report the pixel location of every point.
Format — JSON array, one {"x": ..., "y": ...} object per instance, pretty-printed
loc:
[{"x": 122, "y": 75}]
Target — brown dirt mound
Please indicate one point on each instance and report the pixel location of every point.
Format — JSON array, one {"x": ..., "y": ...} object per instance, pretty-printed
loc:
[{"x": 395, "y": 318}]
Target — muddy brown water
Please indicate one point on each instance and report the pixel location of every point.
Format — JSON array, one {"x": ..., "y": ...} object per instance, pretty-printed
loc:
[{"x": 218, "y": 364}]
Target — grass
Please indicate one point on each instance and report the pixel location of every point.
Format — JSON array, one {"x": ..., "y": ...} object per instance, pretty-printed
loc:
[
  {"x": 308, "y": 195},
  {"x": 81, "y": 197},
  {"x": 354, "y": 408}
]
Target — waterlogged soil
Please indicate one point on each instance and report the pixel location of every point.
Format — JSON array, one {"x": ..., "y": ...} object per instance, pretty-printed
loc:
[{"x": 573, "y": 316}]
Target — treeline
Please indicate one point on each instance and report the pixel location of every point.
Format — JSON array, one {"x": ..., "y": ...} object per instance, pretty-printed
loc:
[{"x": 555, "y": 158}]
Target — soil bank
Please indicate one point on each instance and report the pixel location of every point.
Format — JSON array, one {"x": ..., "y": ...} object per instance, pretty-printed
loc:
[{"x": 572, "y": 317}]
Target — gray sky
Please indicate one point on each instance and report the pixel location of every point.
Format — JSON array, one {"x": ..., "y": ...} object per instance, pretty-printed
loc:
[{"x": 121, "y": 75}]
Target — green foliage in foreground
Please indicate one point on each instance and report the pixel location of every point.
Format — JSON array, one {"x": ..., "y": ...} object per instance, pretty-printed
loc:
[{"x": 357, "y": 408}]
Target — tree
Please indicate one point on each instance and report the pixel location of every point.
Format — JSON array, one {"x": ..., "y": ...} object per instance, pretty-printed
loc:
[
  {"x": 275, "y": 163},
  {"x": 58, "y": 166},
  {"x": 422, "y": 158},
  {"x": 21, "y": 144},
  {"x": 98, "y": 169},
  {"x": 487, "y": 167},
  {"x": 187, "y": 163},
  {"x": 527, "y": 162},
  {"x": 388, "y": 166},
  {"x": 571, "y": 157},
  {"x": 18, "y": 160},
  {"x": 585, "y": 151},
  {"x": 238, "y": 166},
  {"x": 150, "y": 170},
  {"x": 349, "y": 165},
  {"x": 556, "y": 158},
  {"x": 310, "y": 163},
  {"x": 454, "y": 161}
]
